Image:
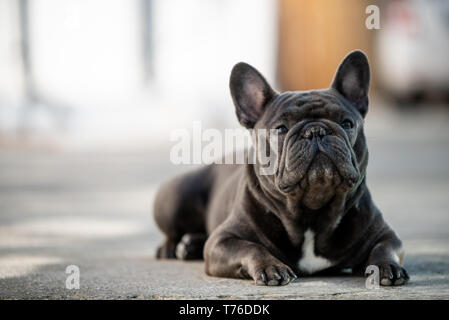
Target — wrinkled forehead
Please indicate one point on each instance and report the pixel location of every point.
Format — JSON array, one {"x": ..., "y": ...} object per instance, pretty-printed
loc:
[{"x": 313, "y": 104}]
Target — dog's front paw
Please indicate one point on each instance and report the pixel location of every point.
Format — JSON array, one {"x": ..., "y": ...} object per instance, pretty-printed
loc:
[
  {"x": 391, "y": 274},
  {"x": 274, "y": 274}
]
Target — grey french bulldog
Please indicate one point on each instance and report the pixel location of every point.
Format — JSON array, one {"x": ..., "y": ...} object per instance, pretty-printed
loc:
[{"x": 314, "y": 214}]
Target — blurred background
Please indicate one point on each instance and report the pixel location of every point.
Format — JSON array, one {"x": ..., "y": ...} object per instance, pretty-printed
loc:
[{"x": 91, "y": 90}]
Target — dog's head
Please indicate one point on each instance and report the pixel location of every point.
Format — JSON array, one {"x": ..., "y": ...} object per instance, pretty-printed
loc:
[{"x": 321, "y": 144}]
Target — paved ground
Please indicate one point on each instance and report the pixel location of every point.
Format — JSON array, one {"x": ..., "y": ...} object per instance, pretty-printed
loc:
[{"x": 94, "y": 211}]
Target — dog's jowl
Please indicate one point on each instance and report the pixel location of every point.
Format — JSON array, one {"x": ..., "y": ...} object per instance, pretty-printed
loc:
[{"x": 313, "y": 214}]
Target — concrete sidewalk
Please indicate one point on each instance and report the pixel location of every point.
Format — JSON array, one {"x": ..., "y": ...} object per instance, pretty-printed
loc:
[{"x": 94, "y": 211}]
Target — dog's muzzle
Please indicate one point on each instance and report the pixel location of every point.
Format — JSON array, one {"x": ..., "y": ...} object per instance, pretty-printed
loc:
[{"x": 320, "y": 148}]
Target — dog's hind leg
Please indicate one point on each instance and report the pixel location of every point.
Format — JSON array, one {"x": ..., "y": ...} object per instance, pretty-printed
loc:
[
  {"x": 191, "y": 246},
  {"x": 167, "y": 250},
  {"x": 180, "y": 213}
]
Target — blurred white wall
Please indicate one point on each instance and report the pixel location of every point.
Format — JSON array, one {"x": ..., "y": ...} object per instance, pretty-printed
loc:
[
  {"x": 86, "y": 51},
  {"x": 88, "y": 57},
  {"x": 11, "y": 78}
]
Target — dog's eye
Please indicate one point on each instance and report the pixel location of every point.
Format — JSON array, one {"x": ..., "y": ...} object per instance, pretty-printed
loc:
[
  {"x": 347, "y": 124},
  {"x": 282, "y": 129}
]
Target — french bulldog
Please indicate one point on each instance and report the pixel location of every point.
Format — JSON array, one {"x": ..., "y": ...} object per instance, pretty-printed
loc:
[{"x": 314, "y": 214}]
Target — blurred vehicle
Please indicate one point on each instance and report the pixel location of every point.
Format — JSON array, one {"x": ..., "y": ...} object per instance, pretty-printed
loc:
[{"x": 412, "y": 50}]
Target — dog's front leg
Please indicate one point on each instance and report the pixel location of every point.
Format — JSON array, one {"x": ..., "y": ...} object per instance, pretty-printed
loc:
[
  {"x": 228, "y": 256},
  {"x": 387, "y": 254}
]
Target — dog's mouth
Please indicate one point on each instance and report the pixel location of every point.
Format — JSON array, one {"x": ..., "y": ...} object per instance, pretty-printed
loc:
[{"x": 321, "y": 173}]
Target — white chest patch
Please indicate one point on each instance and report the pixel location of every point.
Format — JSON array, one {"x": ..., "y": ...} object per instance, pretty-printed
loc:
[{"x": 309, "y": 262}]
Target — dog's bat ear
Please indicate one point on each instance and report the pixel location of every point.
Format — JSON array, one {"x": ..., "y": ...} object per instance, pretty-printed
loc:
[
  {"x": 352, "y": 80},
  {"x": 250, "y": 93}
]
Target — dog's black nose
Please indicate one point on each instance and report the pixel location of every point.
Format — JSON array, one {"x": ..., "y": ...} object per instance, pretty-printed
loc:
[{"x": 314, "y": 131}]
